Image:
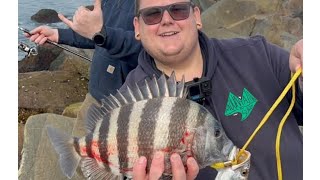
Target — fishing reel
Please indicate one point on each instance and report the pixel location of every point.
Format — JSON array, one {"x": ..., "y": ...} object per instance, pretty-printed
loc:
[
  {"x": 198, "y": 89},
  {"x": 29, "y": 50}
]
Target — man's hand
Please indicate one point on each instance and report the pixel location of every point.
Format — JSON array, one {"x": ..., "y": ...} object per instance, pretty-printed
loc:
[
  {"x": 296, "y": 59},
  {"x": 157, "y": 168},
  {"x": 86, "y": 22},
  {"x": 41, "y": 34}
]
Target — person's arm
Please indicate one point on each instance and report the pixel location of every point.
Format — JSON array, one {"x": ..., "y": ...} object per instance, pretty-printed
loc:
[
  {"x": 119, "y": 43},
  {"x": 69, "y": 37}
]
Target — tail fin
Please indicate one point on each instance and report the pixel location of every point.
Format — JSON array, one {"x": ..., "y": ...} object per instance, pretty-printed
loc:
[{"x": 64, "y": 146}]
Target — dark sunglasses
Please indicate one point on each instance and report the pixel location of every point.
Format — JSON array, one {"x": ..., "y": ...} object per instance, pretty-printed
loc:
[{"x": 153, "y": 15}]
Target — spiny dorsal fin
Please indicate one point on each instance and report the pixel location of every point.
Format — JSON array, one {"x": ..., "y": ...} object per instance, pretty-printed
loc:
[
  {"x": 145, "y": 90},
  {"x": 154, "y": 88},
  {"x": 121, "y": 98},
  {"x": 94, "y": 114},
  {"x": 180, "y": 89},
  {"x": 163, "y": 86},
  {"x": 137, "y": 92},
  {"x": 172, "y": 85},
  {"x": 128, "y": 95}
]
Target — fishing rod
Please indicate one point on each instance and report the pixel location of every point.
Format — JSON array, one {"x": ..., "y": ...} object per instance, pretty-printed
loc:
[{"x": 56, "y": 44}]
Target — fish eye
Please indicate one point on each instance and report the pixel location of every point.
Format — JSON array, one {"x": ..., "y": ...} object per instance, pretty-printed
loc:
[
  {"x": 245, "y": 172},
  {"x": 217, "y": 133}
]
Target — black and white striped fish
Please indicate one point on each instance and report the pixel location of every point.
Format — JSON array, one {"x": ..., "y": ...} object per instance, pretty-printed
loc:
[{"x": 139, "y": 122}]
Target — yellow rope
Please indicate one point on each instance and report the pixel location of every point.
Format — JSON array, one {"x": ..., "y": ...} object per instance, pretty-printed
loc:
[
  {"x": 264, "y": 120},
  {"x": 283, "y": 120}
]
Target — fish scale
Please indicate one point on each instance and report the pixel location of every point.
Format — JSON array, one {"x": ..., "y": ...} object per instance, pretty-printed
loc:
[{"x": 139, "y": 121}]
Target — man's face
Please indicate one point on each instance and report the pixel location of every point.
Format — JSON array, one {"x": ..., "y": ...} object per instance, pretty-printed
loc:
[{"x": 168, "y": 40}]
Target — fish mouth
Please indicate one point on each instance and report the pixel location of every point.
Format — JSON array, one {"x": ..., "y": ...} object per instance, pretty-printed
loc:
[
  {"x": 228, "y": 148},
  {"x": 239, "y": 171}
]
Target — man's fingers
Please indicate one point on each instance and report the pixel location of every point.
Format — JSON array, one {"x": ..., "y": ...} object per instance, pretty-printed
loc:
[
  {"x": 34, "y": 37},
  {"x": 36, "y": 30},
  {"x": 139, "y": 169},
  {"x": 43, "y": 40},
  {"x": 97, "y": 5},
  {"x": 26, "y": 35},
  {"x": 157, "y": 166},
  {"x": 178, "y": 170},
  {"x": 193, "y": 168},
  {"x": 66, "y": 21},
  {"x": 39, "y": 38},
  {"x": 296, "y": 56}
]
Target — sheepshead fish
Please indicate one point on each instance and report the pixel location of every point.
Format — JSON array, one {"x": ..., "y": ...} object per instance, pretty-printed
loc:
[{"x": 138, "y": 122}]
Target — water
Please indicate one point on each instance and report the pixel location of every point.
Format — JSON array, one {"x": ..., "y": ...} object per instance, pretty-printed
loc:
[{"x": 27, "y": 8}]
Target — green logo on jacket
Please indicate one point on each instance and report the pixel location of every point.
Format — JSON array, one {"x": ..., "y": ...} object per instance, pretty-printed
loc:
[{"x": 243, "y": 105}]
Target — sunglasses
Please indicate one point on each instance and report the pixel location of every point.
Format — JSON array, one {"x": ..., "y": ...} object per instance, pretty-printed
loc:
[{"x": 153, "y": 15}]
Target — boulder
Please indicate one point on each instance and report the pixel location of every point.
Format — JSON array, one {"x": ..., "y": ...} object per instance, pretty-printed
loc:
[
  {"x": 244, "y": 18},
  {"x": 46, "y": 16},
  {"x": 281, "y": 30},
  {"x": 72, "y": 110},
  {"x": 235, "y": 16},
  {"x": 39, "y": 159},
  {"x": 20, "y": 141},
  {"x": 50, "y": 91},
  {"x": 67, "y": 61}
]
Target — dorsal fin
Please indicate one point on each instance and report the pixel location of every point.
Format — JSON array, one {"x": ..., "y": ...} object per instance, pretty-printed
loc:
[
  {"x": 145, "y": 90},
  {"x": 172, "y": 85},
  {"x": 180, "y": 89},
  {"x": 128, "y": 95},
  {"x": 163, "y": 86},
  {"x": 154, "y": 88},
  {"x": 94, "y": 114},
  {"x": 137, "y": 92},
  {"x": 121, "y": 98}
]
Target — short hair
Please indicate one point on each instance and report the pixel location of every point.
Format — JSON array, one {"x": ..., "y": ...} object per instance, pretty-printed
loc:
[{"x": 136, "y": 8}]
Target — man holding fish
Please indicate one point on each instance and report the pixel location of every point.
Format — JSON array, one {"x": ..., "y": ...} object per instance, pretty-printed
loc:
[{"x": 247, "y": 75}]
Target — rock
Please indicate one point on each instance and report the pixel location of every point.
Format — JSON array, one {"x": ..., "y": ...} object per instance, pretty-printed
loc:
[
  {"x": 72, "y": 63},
  {"x": 39, "y": 159},
  {"x": 47, "y": 53},
  {"x": 50, "y": 91},
  {"x": 237, "y": 17},
  {"x": 280, "y": 30},
  {"x": 24, "y": 113},
  {"x": 72, "y": 110},
  {"x": 20, "y": 141},
  {"x": 46, "y": 16},
  {"x": 293, "y": 8},
  {"x": 244, "y": 18}
]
